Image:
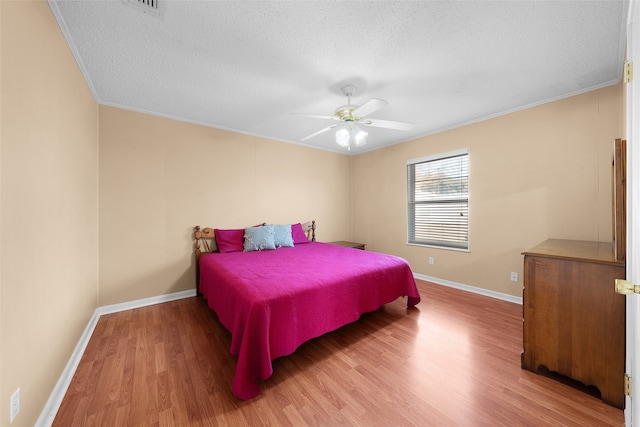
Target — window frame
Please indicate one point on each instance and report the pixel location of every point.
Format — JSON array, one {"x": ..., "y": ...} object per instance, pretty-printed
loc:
[{"x": 411, "y": 202}]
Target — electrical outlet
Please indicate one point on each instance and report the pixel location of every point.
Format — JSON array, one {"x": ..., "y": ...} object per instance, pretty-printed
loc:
[
  {"x": 514, "y": 277},
  {"x": 14, "y": 405},
  {"x": 430, "y": 260}
]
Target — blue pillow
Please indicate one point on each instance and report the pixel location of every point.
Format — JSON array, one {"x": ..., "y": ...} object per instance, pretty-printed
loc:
[
  {"x": 283, "y": 237},
  {"x": 259, "y": 238}
]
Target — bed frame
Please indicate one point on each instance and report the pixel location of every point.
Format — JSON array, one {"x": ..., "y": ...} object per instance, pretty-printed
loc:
[{"x": 205, "y": 243}]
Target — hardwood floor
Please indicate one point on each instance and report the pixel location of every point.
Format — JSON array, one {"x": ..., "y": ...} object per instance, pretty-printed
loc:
[{"x": 452, "y": 361}]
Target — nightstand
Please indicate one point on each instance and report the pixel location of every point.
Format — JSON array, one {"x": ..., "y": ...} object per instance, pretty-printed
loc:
[{"x": 349, "y": 244}]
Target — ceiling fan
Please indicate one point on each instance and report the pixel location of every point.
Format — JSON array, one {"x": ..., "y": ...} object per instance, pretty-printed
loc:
[{"x": 350, "y": 116}]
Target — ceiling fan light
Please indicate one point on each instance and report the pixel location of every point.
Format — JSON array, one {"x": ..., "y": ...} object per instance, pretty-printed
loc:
[
  {"x": 359, "y": 136},
  {"x": 342, "y": 137}
]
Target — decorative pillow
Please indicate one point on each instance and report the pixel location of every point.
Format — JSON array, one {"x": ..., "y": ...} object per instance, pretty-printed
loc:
[
  {"x": 229, "y": 240},
  {"x": 259, "y": 238},
  {"x": 282, "y": 236},
  {"x": 298, "y": 234}
]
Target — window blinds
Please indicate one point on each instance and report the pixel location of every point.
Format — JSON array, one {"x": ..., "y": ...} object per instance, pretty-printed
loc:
[{"x": 438, "y": 201}]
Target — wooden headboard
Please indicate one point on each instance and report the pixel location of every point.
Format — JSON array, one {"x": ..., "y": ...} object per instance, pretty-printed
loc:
[
  {"x": 203, "y": 237},
  {"x": 205, "y": 242}
]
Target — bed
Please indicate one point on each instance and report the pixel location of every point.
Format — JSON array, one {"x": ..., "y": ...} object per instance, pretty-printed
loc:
[{"x": 274, "y": 300}]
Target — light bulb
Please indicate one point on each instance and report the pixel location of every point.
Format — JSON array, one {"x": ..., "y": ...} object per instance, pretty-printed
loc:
[
  {"x": 342, "y": 137},
  {"x": 359, "y": 136}
]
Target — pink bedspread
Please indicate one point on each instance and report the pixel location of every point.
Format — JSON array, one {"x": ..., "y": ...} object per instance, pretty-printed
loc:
[{"x": 273, "y": 301}]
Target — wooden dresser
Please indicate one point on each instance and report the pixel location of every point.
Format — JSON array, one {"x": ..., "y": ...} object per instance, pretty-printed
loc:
[{"x": 574, "y": 322}]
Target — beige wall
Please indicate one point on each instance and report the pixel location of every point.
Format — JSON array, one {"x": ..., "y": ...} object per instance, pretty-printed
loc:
[
  {"x": 160, "y": 177},
  {"x": 49, "y": 217},
  {"x": 539, "y": 173}
]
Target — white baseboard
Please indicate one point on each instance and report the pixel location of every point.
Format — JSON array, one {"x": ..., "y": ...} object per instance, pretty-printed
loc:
[
  {"x": 115, "y": 308},
  {"x": 468, "y": 288},
  {"x": 50, "y": 410}
]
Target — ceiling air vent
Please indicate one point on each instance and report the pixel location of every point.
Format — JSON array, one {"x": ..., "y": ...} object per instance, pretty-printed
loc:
[{"x": 146, "y": 5}]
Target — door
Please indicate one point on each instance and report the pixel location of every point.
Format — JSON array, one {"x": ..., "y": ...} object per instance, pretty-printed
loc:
[{"x": 632, "y": 406}]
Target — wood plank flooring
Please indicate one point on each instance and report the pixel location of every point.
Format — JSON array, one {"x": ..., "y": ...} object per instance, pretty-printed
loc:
[{"x": 454, "y": 360}]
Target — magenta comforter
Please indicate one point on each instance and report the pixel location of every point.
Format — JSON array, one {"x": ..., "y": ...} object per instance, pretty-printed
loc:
[{"x": 273, "y": 301}]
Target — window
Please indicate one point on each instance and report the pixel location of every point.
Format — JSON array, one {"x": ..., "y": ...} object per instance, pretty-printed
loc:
[{"x": 438, "y": 200}]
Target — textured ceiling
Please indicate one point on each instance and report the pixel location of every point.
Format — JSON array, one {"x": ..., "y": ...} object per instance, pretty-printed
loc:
[{"x": 247, "y": 66}]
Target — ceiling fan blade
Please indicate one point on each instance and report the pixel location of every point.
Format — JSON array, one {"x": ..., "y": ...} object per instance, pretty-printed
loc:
[
  {"x": 388, "y": 124},
  {"x": 319, "y": 132},
  {"x": 372, "y": 106},
  {"x": 315, "y": 116}
]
